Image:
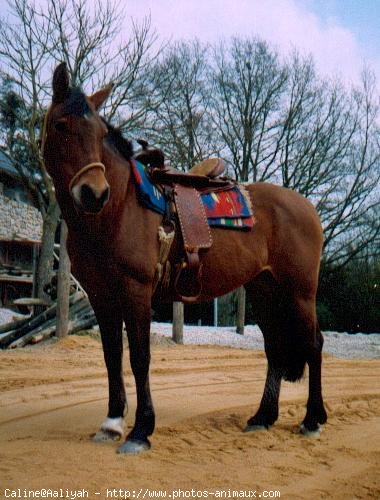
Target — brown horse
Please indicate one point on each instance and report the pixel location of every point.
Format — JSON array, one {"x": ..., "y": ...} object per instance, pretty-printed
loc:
[{"x": 114, "y": 249}]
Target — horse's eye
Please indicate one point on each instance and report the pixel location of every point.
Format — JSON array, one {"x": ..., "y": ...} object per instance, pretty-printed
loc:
[{"x": 61, "y": 125}]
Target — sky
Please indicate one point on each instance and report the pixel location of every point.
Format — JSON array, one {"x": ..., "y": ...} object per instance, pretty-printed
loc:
[{"x": 342, "y": 35}]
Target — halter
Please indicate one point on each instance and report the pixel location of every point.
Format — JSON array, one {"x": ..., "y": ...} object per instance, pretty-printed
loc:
[{"x": 89, "y": 166}]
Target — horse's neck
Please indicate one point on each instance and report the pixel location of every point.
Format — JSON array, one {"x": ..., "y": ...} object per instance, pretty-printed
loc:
[{"x": 118, "y": 173}]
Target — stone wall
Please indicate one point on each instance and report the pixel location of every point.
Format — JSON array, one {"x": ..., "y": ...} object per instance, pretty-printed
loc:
[{"x": 19, "y": 220}]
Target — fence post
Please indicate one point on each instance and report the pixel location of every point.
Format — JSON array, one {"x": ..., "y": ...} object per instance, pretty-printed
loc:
[
  {"x": 178, "y": 317},
  {"x": 215, "y": 303},
  {"x": 240, "y": 310},
  {"x": 63, "y": 286}
]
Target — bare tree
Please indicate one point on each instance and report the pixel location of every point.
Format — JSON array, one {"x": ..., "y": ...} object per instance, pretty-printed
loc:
[
  {"x": 327, "y": 151},
  {"x": 281, "y": 122},
  {"x": 180, "y": 123},
  {"x": 33, "y": 38},
  {"x": 248, "y": 82},
  {"x": 24, "y": 42},
  {"x": 351, "y": 212},
  {"x": 89, "y": 39}
]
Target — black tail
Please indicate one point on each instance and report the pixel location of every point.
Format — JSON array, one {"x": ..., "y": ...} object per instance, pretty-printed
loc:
[
  {"x": 294, "y": 363},
  {"x": 285, "y": 343}
]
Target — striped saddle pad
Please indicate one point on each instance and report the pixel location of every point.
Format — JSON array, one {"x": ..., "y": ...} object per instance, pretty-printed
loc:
[{"x": 229, "y": 208}]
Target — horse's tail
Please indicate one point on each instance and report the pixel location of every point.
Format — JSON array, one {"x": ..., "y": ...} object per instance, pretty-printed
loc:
[
  {"x": 287, "y": 329},
  {"x": 298, "y": 344},
  {"x": 294, "y": 362}
]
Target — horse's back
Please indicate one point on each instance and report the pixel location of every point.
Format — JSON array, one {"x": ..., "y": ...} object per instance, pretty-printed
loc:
[{"x": 285, "y": 209}]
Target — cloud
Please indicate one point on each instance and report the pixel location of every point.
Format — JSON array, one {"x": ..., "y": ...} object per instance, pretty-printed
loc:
[{"x": 285, "y": 23}]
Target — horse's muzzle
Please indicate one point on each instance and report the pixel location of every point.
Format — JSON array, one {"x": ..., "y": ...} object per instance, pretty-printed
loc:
[{"x": 90, "y": 200}]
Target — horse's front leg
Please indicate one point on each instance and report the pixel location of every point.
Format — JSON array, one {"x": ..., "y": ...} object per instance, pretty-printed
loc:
[
  {"x": 109, "y": 316},
  {"x": 137, "y": 320}
]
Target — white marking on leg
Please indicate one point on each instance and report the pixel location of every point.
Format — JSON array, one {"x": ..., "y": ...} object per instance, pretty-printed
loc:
[{"x": 114, "y": 425}]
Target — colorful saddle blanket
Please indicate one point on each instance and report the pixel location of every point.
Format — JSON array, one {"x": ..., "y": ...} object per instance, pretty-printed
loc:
[{"x": 228, "y": 208}]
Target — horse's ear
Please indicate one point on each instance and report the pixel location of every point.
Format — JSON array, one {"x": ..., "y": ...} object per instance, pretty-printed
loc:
[
  {"x": 99, "y": 97},
  {"x": 60, "y": 83}
]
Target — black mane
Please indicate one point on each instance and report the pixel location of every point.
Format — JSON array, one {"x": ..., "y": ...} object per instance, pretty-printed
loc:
[{"x": 115, "y": 138}]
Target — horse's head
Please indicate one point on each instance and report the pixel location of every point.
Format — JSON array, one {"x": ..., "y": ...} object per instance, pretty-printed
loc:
[{"x": 72, "y": 143}]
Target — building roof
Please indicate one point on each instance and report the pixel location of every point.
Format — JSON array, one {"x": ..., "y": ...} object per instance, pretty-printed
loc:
[{"x": 7, "y": 166}]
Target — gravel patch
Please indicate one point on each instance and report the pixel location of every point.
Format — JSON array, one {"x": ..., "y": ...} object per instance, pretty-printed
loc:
[{"x": 342, "y": 345}]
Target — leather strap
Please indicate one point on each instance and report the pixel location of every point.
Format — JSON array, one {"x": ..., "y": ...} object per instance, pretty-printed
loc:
[
  {"x": 89, "y": 166},
  {"x": 196, "y": 236},
  {"x": 192, "y": 217}
]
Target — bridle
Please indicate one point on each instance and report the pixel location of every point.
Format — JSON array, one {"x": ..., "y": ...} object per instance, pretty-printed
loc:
[{"x": 89, "y": 166}]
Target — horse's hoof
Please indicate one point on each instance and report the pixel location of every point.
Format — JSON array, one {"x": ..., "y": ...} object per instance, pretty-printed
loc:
[
  {"x": 255, "y": 428},
  {"x": 133, "y": 447},
  {"x": 310, "y": 433},
  {"x": 104, "y": 436}
]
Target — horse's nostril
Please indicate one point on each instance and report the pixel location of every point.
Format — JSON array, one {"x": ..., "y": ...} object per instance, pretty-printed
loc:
[
  {"x": 91, "y": 200},
  {"x": 87, "y": 196}
]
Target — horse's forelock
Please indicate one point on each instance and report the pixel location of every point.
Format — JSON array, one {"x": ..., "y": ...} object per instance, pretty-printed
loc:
[{"x": 76, "y": 103}]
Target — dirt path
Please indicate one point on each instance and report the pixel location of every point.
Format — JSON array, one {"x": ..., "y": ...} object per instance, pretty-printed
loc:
[{"x": 54, "y": 397}]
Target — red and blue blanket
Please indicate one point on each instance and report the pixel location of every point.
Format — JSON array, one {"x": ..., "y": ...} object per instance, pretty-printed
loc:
[{"x": 229, "y": 208}]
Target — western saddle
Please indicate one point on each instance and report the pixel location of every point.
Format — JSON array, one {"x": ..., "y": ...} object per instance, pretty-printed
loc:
[{"x": 182, "y": 190}]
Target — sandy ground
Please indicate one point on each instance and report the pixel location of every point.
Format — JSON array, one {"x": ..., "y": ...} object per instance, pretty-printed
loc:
[{"x": 54, "y": 396}]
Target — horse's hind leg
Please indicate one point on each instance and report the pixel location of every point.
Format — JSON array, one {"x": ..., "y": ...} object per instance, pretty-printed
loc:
[
  {"x": 263, "y": 293},
  {"x": 315, "y": 413},
  {"x": 267, "y": 413},
  {"x": 308, "y": 341},
  {"x": 292, "y": 338}
]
